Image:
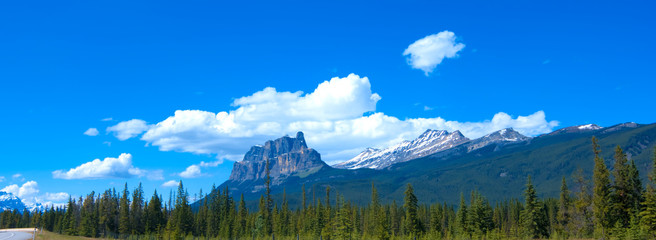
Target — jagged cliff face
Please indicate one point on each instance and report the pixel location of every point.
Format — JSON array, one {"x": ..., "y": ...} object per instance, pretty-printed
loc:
[{"x": 286, "y": 156}]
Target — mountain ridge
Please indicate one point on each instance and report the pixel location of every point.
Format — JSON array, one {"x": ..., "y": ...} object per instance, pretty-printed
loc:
[{"x": 500, "y": 167}]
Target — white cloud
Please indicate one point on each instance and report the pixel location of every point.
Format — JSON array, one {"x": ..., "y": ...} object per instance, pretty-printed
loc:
[
  {"x": 428, "y": 52},
  {"x": 211, "y": 164},
  {"x": 427, "y": 108},
  {"x": 336, "y": 119},
  {"x": 57, "y": 197},
  {"x": 107, "y": 119},
  {"x": 91, "y": 132},
  {"x": 171, "y": 183},
  {"x": 128, "y": 129},
  {"x": 28, "y": 192},
  {"x": 16, "y": 176},
  {"x": 29, "y": 195},
  {"x": 120, "y": 167},
  {"x": 192, "y": 171},
  {"x": 2, "y": 178}
]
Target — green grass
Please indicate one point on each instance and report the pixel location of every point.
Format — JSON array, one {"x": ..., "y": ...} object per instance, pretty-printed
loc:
[{"x": 45, "y": 235}]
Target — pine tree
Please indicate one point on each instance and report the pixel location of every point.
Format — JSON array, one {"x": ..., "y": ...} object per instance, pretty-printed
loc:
[
  {"x": 600, "y": 191},
  {"x": 412, "y": 224},
  {"x": 268, "y": 220},
  {"x": 532, "y": 216},
  {"x": 343, "y": 220},
  {"x": 137, "y": 211},
  {"x": 564, "y": 209},
  {"x": 621, "y": 198},
  {"x": 124, "y": 213},
  {"x": 243, "y": 216},
  {"x": 648, "y": 214},
  {"x": 154, "y": 217},
  {"x": 69, "y": 223},
  {"x": 635, "y": 187},
  {"x": 581, "y": 221},
  {"x": 180, "y": 223},
  {"x": 462, "y": 227},
  {"x": 380, "y": 227},
  {"x": 479, "y": 215},
  {"x": 88, "y": 219}
]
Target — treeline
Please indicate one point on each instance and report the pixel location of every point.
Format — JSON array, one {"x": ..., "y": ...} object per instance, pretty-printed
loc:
[{"x": 611, "y": 205}]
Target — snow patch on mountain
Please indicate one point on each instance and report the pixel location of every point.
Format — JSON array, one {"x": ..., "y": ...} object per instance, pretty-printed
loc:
[
  {"x": 429, "y": 142},
  {"x": 10, "y": 202}
]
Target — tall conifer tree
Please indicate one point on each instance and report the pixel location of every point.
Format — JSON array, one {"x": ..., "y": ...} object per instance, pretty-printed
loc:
[{"x": 600, "y": 191}]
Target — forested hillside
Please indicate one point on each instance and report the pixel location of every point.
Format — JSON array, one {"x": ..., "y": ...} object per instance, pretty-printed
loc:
[{"x": 613, "y": 203}]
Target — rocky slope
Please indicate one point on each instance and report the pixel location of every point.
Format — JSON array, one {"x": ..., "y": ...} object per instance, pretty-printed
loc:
[
  {"x": 286, "y": 156},
  {"x": 500, "y": 138},
  {"x": 429, "y": 142}
]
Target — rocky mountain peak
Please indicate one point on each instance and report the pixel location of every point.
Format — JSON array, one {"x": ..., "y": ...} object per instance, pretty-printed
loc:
[
  {"x": 503, "y": 136},
  {"x": 429, "y": 142},
  {"x": 286, "y": 156},
  {"x": 10, "y": 202},
  {"x": 576, "y": 129}
]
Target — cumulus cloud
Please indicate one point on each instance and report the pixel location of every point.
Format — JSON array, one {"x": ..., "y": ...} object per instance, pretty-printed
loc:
[
  {"x": 57, "y": 197},
  {"x": 29, "y": 195},
  {"x": 91, "y": 132},
  {"x": 192, "y": 171},
  {"x": 16, "y": 176},
  {"x": 128, "y": 129},
  {"x": 120, "y": 167},
  {"x": 171, "y": 183},
  {"x": 336, "y": 117},
  {"x": 28, "y": 192},
  {"x": 426, "y": 53},
  {"x": 211, "y": 164}
]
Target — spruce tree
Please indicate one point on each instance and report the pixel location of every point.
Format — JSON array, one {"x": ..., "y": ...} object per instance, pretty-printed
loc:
[
  {"x": 581, "y": 222},
  {"x": 462, "y": 227},
  {"x": 268, "y": 220},
  {"x": 412, "y": 223},
  {"x": 154, "y": 217},
  {"x": 635, "y": 187},
  {"x": 180, "y": 223},
  {"x": 620, "y": 196},
  {"x": 601, "y": 191},
  {"x": 243, "y": 216},
  {"x": 137, "y": 211},
  {"x": 533, "y": 215},
  {"x": 124, "y": 213},
  {"x": 564, "y": 209},
  {"x": 88, "y": 220},
  {"x": 648, "y": 214}
]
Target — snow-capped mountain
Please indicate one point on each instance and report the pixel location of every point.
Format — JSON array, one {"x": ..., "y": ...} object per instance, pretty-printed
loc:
[
  {"x": 429, "y": 142},
  {"x": 10, "y": 202},
  {"x": 576, "y": 129},
  {"x": 503, "y": 136}
]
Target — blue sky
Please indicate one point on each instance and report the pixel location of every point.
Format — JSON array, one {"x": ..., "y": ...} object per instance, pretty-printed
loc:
[{"x": 67, "y": 66}]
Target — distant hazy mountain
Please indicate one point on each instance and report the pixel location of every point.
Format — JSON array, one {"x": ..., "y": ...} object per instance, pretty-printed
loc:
[{"x": 429, "y": 142}]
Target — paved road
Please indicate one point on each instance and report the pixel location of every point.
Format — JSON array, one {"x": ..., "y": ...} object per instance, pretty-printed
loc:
[{"x": 14, "y": 235}]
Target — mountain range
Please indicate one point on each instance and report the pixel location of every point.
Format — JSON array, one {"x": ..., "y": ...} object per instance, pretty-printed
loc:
[
  {"x": 10, "y": 202},
  {"x": 440, "y": 164}
]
